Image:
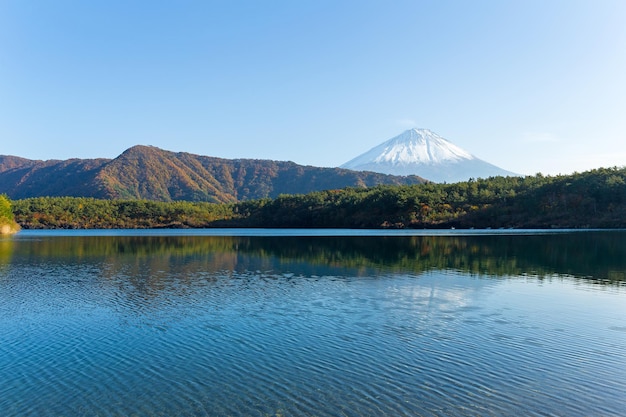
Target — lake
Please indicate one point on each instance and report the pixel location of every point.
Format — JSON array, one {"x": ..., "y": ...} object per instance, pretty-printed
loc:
[{"x": 256, "y": 322}]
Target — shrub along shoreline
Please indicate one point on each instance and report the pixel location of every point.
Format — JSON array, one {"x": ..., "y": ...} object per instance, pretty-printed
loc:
[{"x": 8, "y": 225}]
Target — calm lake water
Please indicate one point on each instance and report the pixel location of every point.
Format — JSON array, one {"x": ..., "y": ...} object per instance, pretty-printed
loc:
[{"x": 312, "y": 323}]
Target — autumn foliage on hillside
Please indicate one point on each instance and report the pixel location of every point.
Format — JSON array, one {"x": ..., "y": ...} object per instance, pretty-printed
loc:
[{"x": 150, "y": 173}]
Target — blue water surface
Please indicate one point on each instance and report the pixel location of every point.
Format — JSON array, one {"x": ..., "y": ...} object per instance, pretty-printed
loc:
[{"x": 295, "y": 324}]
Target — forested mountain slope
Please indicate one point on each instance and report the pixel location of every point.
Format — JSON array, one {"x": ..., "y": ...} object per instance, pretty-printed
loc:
[
  {"x": 150, "y": 173},
  {"x": 593, "y": 199}
]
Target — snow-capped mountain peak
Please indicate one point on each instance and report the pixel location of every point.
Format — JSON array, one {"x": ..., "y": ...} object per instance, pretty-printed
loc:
[
  {"x": 424, "y": 153},
  {"x": 419, "y": 145}
]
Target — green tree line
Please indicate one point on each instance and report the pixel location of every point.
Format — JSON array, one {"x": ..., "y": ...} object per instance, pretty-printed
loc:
[
  {"x": 91, "y": 213},
  {"x": 593, "y": 199}
]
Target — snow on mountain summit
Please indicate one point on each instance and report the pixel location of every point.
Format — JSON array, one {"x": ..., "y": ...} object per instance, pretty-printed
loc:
[
  {"x": 417, "y": 145},
  {"x": 424, "y": 153}
]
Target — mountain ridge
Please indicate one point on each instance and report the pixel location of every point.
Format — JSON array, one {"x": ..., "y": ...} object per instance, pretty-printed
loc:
[
  {"x": 422, "y": 152},
  {"x": 151, "y": 173}
]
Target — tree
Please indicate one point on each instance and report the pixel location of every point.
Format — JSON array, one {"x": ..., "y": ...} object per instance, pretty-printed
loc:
[{"x": 7, "y": 219}]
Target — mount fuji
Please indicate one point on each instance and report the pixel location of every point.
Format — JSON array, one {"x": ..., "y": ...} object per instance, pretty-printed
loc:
[{"x": 424, "y": 153}]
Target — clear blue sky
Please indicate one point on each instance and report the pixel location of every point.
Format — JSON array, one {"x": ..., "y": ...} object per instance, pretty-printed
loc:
[{"x": 531, "y": 86}]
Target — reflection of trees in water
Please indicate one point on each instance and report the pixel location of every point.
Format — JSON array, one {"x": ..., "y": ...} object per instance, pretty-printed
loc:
[
  {"x": 150, "y": 273},
  {"x": 600, "y": 256},
  {"x": 6, "y": 250}
]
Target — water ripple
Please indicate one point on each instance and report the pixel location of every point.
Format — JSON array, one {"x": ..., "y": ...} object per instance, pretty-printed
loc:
[{"x": 101, "y": 340}]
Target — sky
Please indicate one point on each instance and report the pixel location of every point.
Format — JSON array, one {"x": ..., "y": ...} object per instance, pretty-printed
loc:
[{"x": 530, "y": 86}]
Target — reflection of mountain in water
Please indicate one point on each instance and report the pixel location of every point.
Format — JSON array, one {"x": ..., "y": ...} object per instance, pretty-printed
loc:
[
  {"x": 599, "y": 256},
  {"x": 149, "y": 272},
  {"x": 187, "y": 324}
]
